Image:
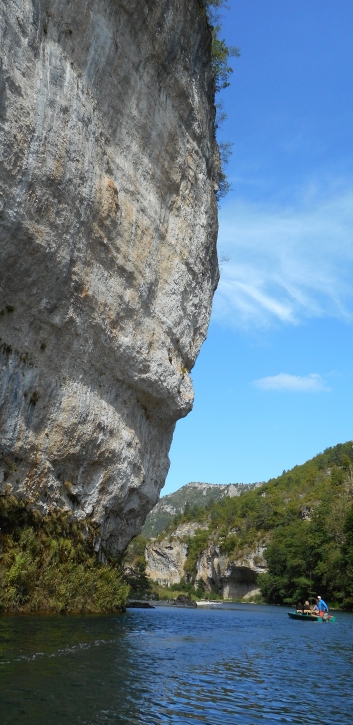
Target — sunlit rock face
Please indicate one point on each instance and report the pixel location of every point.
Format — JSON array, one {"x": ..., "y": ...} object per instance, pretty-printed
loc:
[
  {"x": 165, "y": 559},
  {"x": 233, "y": 578},
  {"x": 108, "y": 233}
]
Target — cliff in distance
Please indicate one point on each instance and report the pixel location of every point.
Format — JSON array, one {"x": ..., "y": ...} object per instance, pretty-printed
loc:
[
  {"x": 108, "y": 217},
  {"x": 171, "y": 561},
  {"x": 288, "y": 538}
]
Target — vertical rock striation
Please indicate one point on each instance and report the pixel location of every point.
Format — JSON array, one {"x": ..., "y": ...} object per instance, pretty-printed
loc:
[{"x": 108, "y": 247}]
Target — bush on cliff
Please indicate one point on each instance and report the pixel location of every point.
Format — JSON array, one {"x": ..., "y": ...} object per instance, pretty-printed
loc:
[
  {"x": 48, "y": 564},
  {"x": 220, "y": 54},
  {"x": 220, "y": 51}
]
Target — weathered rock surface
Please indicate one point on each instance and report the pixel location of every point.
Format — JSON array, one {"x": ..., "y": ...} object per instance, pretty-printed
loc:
[
  {"x": 165, "y": 559},
  {"x": 233, "y": 577},
  {"x": 108, "y": 232}
]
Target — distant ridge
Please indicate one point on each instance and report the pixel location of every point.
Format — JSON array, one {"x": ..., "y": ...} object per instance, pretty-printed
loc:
[{"x": 192, "y": 494}]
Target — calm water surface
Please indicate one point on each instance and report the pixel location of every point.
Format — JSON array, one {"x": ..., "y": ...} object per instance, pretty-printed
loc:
[{"x": 236, "y": 664}]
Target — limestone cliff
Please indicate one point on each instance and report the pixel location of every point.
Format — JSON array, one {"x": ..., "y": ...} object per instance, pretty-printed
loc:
[
  {"x": 233, "y": 577},
  {"x": 108, "y": 247},
  {"x": 165, "y": 559}
]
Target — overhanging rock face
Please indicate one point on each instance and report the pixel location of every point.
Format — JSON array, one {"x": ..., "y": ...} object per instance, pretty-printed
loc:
[
  {"x": 233, "y": 578},
  {"x": 108, "y": 262},
  {"x": 240, "y": 581}
]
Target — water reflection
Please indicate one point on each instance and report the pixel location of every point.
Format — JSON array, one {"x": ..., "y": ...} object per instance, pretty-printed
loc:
[{"x": 236, "y": 665}]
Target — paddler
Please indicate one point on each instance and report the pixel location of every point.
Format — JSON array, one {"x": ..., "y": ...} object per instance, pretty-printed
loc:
[{"x": 322, "y": 606}]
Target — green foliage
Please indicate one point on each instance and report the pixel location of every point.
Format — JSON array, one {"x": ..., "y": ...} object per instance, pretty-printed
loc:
[
  {"x": 159, "y": 519},
  {"x": 220, "y": 51},
  {"x": 337, "y": 476},
  {"x": 304, "y": 518},
  {"x": 49, "y": 564},
  {"x": 135, "y": 568},
  {"x": 220, "y": 60},
  {"x": 315, "y": 554},
  {"x": 192, "y": 512},
  {"x": 196, "y": 544},
  {"x": 224, "y": 154},
  {"x": 135, "y": 553},
  {"x": 220, "y": 54},
  {"x": 290, "y": 558}
]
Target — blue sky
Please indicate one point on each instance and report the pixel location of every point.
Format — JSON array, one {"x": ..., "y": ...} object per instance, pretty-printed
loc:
[{"x": 273, "y": 381}]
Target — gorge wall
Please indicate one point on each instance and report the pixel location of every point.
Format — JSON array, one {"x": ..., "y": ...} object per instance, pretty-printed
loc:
[
  {"x": 108, "y": 263},
  {"x": 232, "y": 577}
]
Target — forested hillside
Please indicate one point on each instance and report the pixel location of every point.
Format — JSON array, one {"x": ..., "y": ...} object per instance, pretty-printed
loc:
[
  {"x": 304, "y": 518},
  {"x": 191, "y": 496}
]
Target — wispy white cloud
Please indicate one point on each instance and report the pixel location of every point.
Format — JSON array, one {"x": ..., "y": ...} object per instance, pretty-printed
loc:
[
  {"x": 287, "y": 264},
  {"x": 295, "y": 383}
]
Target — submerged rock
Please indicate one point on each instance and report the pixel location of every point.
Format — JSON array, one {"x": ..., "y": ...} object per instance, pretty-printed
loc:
[{"x": 108, "y": 248}]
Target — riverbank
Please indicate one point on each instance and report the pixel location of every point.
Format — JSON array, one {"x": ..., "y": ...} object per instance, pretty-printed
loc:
[{"x": 49, "y": 565}]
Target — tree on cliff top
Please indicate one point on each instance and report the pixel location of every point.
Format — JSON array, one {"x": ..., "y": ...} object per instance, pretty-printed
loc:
[{"x": 220, "y": 54}]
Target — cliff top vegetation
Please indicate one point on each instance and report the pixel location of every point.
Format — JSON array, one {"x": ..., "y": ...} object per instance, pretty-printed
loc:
[
  {"x": 188, "y": 496},
  {"x": 220, "y": 54}
]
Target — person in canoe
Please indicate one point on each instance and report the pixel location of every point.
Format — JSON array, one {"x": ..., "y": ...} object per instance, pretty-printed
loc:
[
  {"x": 299, "y": 608},
  {"x": 322, "y": 607}
]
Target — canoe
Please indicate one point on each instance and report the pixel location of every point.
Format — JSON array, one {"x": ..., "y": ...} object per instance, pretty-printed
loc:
[
  {"x": 303, "y": 617},
  {"x": 309, "y": 617}
]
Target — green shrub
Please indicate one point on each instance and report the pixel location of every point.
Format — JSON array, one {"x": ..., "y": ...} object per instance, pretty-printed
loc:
[
  {"x": 196, "y": 544},
  {"x": 220, "y": 54},
  {"x": 48, "y": 564}
]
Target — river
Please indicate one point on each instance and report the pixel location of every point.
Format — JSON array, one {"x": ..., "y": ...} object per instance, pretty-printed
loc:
[{"x": 236, "y": 664}]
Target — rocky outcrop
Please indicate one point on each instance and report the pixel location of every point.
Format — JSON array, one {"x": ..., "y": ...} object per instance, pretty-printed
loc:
[
  {"x": 165, "y": 559},
  {"x": 233, "y": 577},
  {"x": 108, "y": 260}
]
